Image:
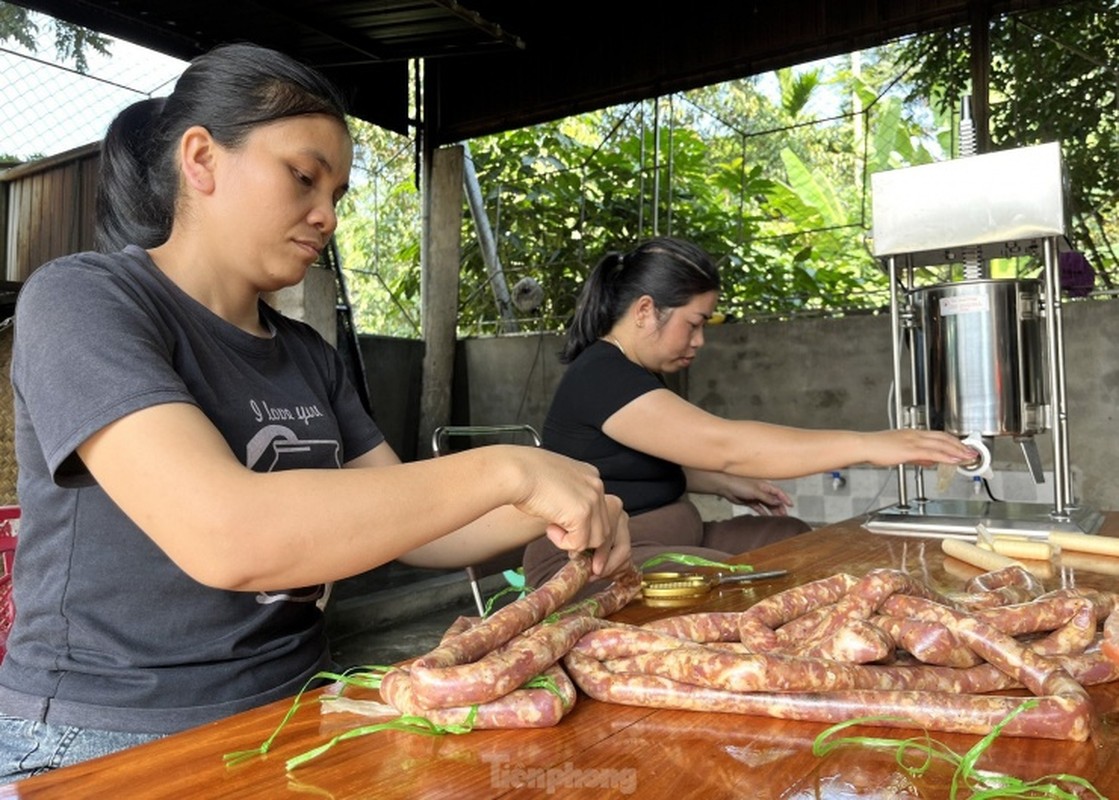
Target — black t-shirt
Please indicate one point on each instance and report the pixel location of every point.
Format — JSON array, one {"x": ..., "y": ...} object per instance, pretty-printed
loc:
[{"x": 599, "y": 382}]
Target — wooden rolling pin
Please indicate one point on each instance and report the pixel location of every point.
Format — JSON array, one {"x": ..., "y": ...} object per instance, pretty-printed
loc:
[
  {"x": 1085, "y": 543},
  {"x": 1017, "y": 547},
  {"x": 977, "y": 556},
  {"x": 1090, "y": 562}
]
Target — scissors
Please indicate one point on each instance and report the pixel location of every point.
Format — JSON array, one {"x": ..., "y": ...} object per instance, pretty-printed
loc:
[{"x": 694, "y": 584}]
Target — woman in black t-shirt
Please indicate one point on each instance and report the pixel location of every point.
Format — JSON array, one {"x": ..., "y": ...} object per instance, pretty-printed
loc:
[{"x": 641, "y": 315}]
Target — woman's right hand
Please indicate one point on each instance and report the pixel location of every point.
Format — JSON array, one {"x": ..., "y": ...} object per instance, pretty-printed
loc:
[
  {"x": 569, "y": 496},
  {"x": 913, "y": 446}
]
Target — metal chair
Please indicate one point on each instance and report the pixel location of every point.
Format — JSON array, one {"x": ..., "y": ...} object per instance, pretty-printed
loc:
[{"x": 453, "y": 438}]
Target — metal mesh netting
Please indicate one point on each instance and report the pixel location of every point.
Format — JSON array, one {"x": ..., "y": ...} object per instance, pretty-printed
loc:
[{"x": 49, "y": 107}]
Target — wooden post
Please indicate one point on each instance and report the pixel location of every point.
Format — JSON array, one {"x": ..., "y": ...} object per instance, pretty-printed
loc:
[
  {"x": 313, "y": 300},
  {"x": 440, "y": 254}
]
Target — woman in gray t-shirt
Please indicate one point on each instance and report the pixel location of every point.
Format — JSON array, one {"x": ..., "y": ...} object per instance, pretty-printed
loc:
[{"x": 194, "y": 467}]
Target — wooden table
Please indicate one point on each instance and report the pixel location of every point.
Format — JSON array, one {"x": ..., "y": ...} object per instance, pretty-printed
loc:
[{"x": 602, "y": 749}]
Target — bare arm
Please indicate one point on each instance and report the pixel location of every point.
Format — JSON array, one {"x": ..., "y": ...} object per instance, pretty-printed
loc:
[
  {"x": 761, "y": 495},
  {"x": 498, "y": 531},
  {"x": 663, "y": 424},
  {"x": 173, "y": 474},
  {"x": 702, "y": 481}
]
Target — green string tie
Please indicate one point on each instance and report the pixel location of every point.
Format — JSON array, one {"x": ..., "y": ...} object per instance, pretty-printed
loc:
[
  {"x": 694, "y": 561},
  {"x": 981, "y": 784}
]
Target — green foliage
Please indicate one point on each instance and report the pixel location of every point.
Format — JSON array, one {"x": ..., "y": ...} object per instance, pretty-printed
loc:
[
  {"x": 72, "y": 42},
  {"x": 16, "y": 24},
  {"x": 797, "y": 89},
  {"x": 1052, "y": 78},
  {"x": 776, "y": 192},
  {"x": 379, "y": 241}
]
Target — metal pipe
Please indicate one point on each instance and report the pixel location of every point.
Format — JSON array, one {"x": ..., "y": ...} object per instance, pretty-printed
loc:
[
  {"x": 981, "y": 72},
  {"x": 909, "y": 327},
  {"x": 656, "y": 165},
  {"x": 895, "y": 344},
  {"x": 1062, "y": 491},
  {"x": 671, "y": 166},
  {"x": 641, "y": 178},
  {"x": 973, "y": 266},
  {"x": 495, "y": 272}
]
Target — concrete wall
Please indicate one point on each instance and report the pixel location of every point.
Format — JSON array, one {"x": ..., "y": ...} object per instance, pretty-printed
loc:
[
  {"x": 312, "y": 300},
  {"x": 394, "y": 372},
  {"x": 825, "y": 373}
]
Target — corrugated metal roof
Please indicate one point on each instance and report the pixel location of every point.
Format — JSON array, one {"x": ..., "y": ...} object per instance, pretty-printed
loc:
[{"x": 494, "y": 65}]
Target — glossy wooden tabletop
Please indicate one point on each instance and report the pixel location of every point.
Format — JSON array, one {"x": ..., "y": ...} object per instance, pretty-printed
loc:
[{"x": 604, "y": 750}]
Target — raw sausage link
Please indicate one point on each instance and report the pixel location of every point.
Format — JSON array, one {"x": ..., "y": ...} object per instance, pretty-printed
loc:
[
  {"x": 1001, "y": 587},
  {"x": 757, "y": 625},
  {"x": 1110, "y": 644},
  {"x": 929, "y": 642},
  {"x": 509, "y": 664},
  {"x": 522, "y": 708},
  {"x": 857, "y": 642},
  {"x": 514, "y": 618},
  {"x": 1074, "y": 634},
  {"x": 625, "y": 586},
  {"x": 1015, "y": 575},
  {"x": 676, "y": 674},
  {"x": 1089, "y": 669},
  {"x": 501, "y": 671},
  {"x": 861, "y": 600},
  {"x": 1071, "y": 619},
  {"x": 828, "y": 651},
  {"x": 1105, "y": 602},
  {"x": 713, "y": 626},
  {"x": 619, "y": 641},
  {"x": 1054, "y": 718},
  {"x": 758, "y": 672}
]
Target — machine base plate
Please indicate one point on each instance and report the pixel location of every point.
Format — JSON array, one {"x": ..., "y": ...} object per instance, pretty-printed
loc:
[{"x": 958, "y": 519}]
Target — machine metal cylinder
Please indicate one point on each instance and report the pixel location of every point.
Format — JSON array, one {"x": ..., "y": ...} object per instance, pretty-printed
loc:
[{"x": 981, "y": 356}]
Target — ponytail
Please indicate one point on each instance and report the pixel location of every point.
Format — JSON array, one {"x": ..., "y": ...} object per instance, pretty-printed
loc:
[
  {"x": 594, "y": 311},
  {"x": 130, "y": 209}
]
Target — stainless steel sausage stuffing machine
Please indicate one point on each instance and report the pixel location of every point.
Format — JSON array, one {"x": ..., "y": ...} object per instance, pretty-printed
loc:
[{"x": 976, "y": 356}]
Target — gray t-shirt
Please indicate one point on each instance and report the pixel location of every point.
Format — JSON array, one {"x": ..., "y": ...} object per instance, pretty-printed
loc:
[{"x": 109, "y": 633}]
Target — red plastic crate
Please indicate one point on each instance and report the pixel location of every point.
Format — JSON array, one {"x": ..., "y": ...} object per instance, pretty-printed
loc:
[{"x": 9, "y": 529}]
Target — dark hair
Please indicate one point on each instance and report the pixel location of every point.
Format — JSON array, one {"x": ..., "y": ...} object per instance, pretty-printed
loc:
[
  {"x": 671, "y": 271},
  {"x": 229, "y": 91}
]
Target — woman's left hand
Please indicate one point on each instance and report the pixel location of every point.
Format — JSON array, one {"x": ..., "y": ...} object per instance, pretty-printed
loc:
[{"x": 762, "y": 496}]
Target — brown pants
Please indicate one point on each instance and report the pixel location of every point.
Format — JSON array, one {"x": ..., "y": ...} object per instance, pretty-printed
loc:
[{"x": 675, "y": 528}]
